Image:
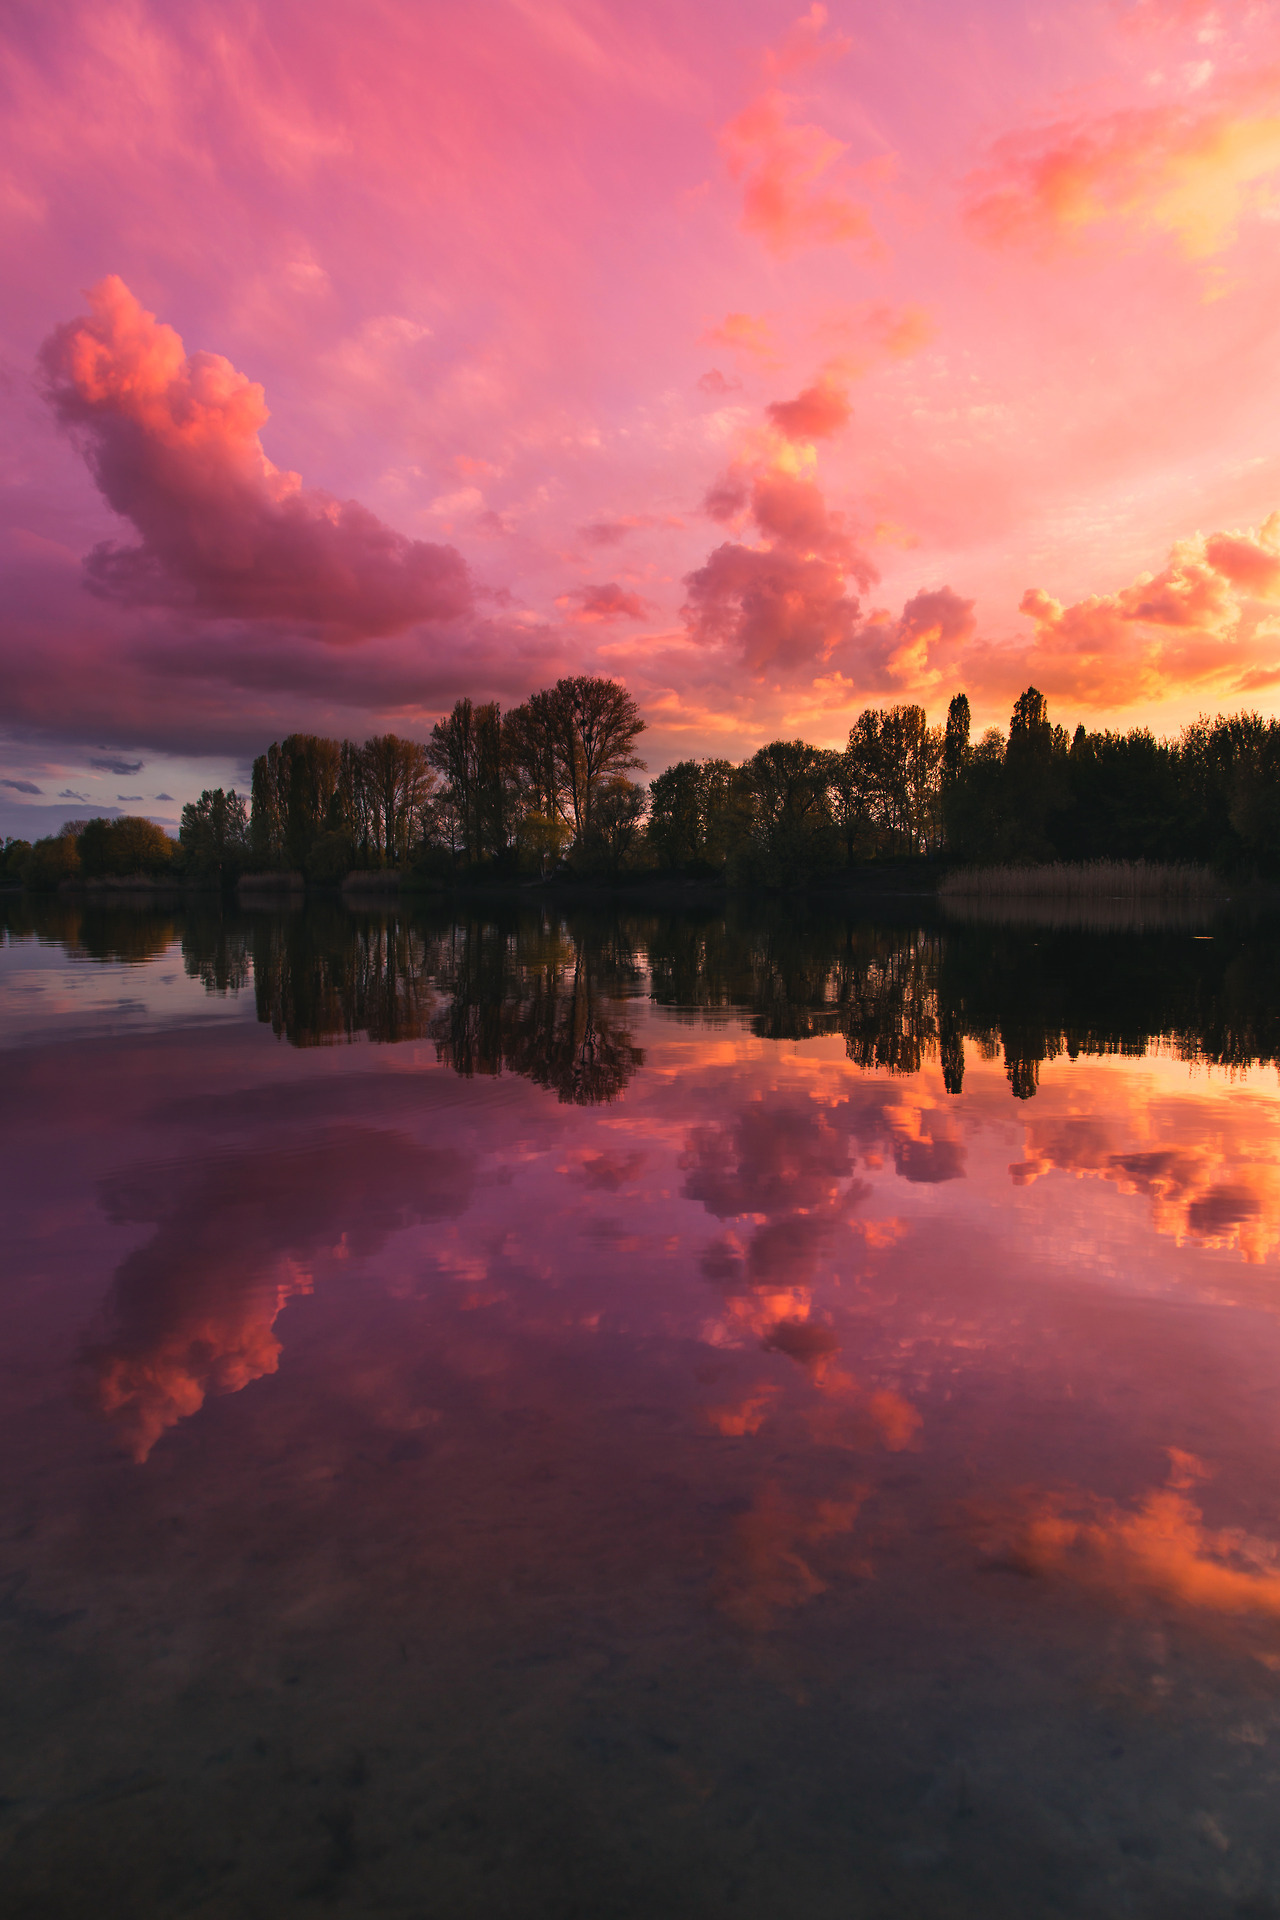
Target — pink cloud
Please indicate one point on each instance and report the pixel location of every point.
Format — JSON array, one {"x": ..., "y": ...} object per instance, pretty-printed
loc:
[
  {"x": 606, "y": 602},
  {"x": 815, "y": 413},
  {"x": 794, "y": 191},
  {"x": 172, "y": 441},
  {"x": 783, "y": 608},
  {"x": 927, "y": 639},
  {"x": 787, "y": 201},
  {"x": 744, "y": 333}
]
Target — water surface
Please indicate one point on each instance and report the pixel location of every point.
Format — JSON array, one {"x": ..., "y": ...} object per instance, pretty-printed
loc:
[{"x": 552, "y": 1414}]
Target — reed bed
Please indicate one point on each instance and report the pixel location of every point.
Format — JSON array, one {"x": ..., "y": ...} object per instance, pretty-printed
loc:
[{"x": 1102, "y": 895}]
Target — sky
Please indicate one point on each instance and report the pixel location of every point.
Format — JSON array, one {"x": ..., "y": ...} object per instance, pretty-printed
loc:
[{"x": 777, "y": 363}]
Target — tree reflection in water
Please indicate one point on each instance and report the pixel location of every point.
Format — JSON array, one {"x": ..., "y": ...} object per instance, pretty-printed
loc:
[
  {"x": 542, "y": 992},
  {"x": 543, "y": 999},
  {"x": 326, "y": 975}
]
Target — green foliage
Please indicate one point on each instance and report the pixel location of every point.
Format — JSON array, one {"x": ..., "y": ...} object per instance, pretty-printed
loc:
[
  {"x": 486, "y": 790},
  {"x": 786, "y": 829},
  {"x": 123, "y": 847},
  {"x": 612, "y": 842},
  {"x": 50, "y": 862},
  {"x": 689, "y": 815}
]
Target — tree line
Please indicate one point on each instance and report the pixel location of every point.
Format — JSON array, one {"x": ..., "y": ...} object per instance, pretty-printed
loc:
[
  {"x": 213, "y": 846},
  {"x": 548, "y": 784},
  {"x": 901, "y": 789},
  {"x": 511, "y": 792}
]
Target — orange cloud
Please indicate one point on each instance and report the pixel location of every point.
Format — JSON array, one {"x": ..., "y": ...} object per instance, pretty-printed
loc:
[
  {"x": 768, "y": 1572},
  {"x": 172, "y": 441},
  {"x": 1160, "y": 1547},
  {"x": 1214, "y": 1189},
  {"x": 1191, "y": 172},
  {"x": 743, "y": 333},
  {"x": 1208, "y": 621}
]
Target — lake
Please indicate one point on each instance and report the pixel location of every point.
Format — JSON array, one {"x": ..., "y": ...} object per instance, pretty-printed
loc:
[{"x": 545, "y": 1412}]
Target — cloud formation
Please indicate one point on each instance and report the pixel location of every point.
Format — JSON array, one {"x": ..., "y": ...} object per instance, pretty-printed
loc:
[
  {"x": 794, "y": 192},
  {"x": 1193, "y": 170},
  {"x": 172, "y": 442},
  {"x": 1161, "y": 1547},
  {"x": 1209, "y": 620},
  {"x": 606, "y": 602},
  {"x": 783, "y": 607},
  {"x": 815, "y": 413},
  {"x": 115, "y": 763},
  {"x": 192, "y": 1311}
]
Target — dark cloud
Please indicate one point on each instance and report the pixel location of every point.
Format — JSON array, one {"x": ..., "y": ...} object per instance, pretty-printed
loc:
[
  {"x": 22, "y": 786},
  {"x": 115, "y": 763}
]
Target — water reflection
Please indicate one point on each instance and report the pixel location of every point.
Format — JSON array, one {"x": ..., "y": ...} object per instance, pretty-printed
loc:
[
  {"x": 327, "y": 975},
  {"x": 663, "y": 1430},
  {"x": 125, "y": 935},
  {"x": 540, "y": 998},
  {"x": 545, "y": 994},
  {"x": 192, "y": 1311}
]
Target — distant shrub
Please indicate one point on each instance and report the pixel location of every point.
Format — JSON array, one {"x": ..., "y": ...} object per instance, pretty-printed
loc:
[{"x": 49, "y": 862}]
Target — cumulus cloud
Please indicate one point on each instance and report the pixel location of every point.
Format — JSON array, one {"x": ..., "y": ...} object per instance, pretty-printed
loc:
[
  {"x": 172, "y": 440},
  {"x": 783, "y": 607},
  {"x": 1189, "y": 169},
  {"x": 924, "y": 642},
  {"x": 1209, "y": 620},
  {"x": 718, "y": 384},
  {"x": 114, "y": 763},
  {"x": 606, "y": 602},
  {"x": 21, "y": 786},
  {"x": 814, "y": 414}
]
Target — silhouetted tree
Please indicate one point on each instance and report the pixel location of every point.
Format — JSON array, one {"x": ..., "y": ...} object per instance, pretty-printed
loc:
[
  {"x": 214, "y": 834},
  {"x": 599, "y": 724}
]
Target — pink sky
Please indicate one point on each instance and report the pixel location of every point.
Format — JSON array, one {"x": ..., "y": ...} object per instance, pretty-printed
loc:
[{"x": 354, "y": 358}]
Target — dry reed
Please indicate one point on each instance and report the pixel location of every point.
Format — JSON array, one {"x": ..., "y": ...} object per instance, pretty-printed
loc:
[{"x": 1101, "y": 894}]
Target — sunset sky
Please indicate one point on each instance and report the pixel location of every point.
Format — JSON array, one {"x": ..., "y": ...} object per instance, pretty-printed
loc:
[{"x": 353, "y": 358}]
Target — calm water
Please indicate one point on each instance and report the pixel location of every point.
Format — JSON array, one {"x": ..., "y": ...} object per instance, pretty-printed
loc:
[{"x": 646, "y": 1415}]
